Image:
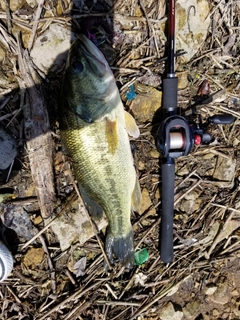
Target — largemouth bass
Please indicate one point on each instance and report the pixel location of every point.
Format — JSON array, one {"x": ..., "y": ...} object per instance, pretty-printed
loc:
[{"x": 94, "y": 132}]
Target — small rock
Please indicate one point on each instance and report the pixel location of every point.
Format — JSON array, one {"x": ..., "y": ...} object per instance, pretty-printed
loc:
[
  {"x": 157, "y": 194},
  {"x": 8, "y": 149},
  {"x": 215, "y": 313},
  {"x": 150, "y": 79},
  {"x": 235, "y": 293},
  {"x": 210, "y": 289},
  {"x": 168, "y": 312},
  {"x": 25, "y": 34},
  {"x": 2, "y": 54},
  {"x": 145, "y": 202},
  {"x": 235, "y": 142},
  {"x": 7, "y": 80},
  {"x": 183, "y": 171},
  {"x": 154, "y": 154},
  {"x": 192, "y": 309},
  {"x": 14, "y": 4},
  {"x": 236, "y": 311},
  {"x": 37, "y": 220},
  {"x": 33, "y": 257},
  {"x": 208, "y": 165},
  {"x": 6, "y": 196},
  {"x": 16, "y": 217},
  {"x": 192, "y": 23},
  {"x": 75, "y": 226},
  {"x": 32, "y": 3},
  {"x": 138, "y": 11},
  {"x": 191, "y": 202},
  {"x": 182, "y": 79},
  {"x": 225, "y": 169},
  {"x": 207, "y": 156},
  {"x": 146, "y": 103},
  {"x": 141, "y": 165},
  {"x": 51, "y": 48},
  {"x": 140, "y": 279},
  {"x": 221, "y": 295}
]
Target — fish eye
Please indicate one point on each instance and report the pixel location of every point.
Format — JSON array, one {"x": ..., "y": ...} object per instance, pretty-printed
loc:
[{"x": 77, "y": 66}]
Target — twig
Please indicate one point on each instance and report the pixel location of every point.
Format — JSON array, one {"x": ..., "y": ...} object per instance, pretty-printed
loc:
[
  {"x": 8, "y": 41},
  {"x": 16, "y": 298},
  {"x": 227, "y": 110},
  {"x": 70, "y": 277},
  {"x": 118, "y": 303},
  {"x": 50, "y": 264},
  {"x": 188, "y": 191},
  {"x": 10, "y": 170},
  {"x": 122, "y": 18},
  {"x": 35, "y": 23},
  {"x": 124, "y": 60},
  {"x": 6, "y": 116},
  {"x": 233, "y": 246},
  {"x": 145, "y": 13},
  {"x": 8, "y": 15},
  {"x": 225, "y": 207},
  {"x": 78, "y": 294},
  {"x": 147, "y": 233},
  {"x": 129, "y": 284},
  {"x": 111, "y": 291},
  {"x": 157, "y": 297},
  {"x": 38, "y": 135},
  {"x": 78, "y": 310}
]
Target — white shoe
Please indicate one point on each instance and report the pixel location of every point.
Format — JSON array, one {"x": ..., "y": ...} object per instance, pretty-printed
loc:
[{"x": 6, "y": 262}]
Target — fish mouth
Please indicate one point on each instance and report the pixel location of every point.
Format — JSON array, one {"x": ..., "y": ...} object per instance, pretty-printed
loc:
[{"x": 90, "y": 51}]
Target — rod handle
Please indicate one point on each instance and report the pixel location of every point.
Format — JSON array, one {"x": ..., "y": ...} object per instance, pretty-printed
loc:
[{"x": 168, "y": 176}]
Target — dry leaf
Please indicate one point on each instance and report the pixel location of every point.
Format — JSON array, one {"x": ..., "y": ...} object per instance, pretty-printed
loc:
[{"x": 80, "y": 266}]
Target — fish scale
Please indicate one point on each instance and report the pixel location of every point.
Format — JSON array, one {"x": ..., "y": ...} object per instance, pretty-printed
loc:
[{"x": 94, "y": 134}]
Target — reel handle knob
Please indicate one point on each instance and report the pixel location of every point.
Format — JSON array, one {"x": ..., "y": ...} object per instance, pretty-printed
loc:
[{"x": 221, "y": 119}]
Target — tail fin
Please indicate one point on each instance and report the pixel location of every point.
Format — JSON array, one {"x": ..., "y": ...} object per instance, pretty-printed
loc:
[{"x": 120, "y": 248}]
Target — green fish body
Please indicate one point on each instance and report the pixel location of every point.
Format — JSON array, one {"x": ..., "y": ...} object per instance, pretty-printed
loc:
[{"x": 94, "y": 132}]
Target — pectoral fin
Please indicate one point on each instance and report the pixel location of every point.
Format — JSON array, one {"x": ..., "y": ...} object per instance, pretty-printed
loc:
[
  {"x": 136, "y": 196},
  {"x": 112, "y": 135},
  {"x": 131, "y": 126}
]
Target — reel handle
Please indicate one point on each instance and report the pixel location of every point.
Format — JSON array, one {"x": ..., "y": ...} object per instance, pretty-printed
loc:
[{"x": 221, "y": 119}]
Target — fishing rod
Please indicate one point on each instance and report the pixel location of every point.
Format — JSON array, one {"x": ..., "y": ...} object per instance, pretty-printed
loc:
[{"x": 175, "y": 138}]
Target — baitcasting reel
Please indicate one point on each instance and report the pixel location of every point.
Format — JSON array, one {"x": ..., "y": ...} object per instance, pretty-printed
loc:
[{"x": 176, "y": 136}]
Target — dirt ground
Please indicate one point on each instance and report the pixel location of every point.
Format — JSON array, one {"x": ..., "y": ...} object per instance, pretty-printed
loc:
[{"x": 203, "y": 281}]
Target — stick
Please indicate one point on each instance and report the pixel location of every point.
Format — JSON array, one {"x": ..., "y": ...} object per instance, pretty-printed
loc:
[
  {"x": 35, "y": 23},
  {"x": 38, "y": 135}
]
